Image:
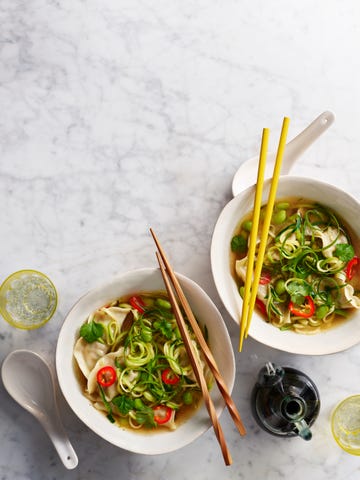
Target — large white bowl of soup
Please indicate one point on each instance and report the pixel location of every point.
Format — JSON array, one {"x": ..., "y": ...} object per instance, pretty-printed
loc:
[
  {"x": 308, "y": 299},
  {"x": 123, "y": 368}
]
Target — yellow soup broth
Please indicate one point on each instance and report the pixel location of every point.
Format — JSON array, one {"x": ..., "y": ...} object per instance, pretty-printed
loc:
[
  {"x": 153, "y": 388},
  {"x": 310, "y": 276}
]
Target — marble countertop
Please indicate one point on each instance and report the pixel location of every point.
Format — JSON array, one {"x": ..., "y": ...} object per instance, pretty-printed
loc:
[{"x": 121, "y": 115}]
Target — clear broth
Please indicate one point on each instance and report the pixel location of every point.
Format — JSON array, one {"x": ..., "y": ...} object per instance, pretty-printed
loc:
[
  {"x": 294, "y": 202},
  {"x": 182, "y": 415}
]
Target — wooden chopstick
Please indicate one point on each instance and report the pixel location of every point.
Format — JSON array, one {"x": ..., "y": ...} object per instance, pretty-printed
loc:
[
  {"x": 195, "y": 365},
  {"x": 267, "y": 221},
  {"x": 201, "y": 340},
  {"x": 253, "y": 234}
]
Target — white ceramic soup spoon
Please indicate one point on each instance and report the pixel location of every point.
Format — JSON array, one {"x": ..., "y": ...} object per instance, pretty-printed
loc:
[
  {"x": 246, "y": 175},
  {"x": 28, "y": 379}
]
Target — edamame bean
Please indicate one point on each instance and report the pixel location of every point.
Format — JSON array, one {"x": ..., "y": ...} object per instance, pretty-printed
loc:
[
  {"x": 279, "y": 217},
  {"x": 187, "y": 398},
  {"x": 282, "y": 206},
  {"x": 163, "y": 303},
  {"x": 242, "y": 291},
  {"x": 280, "y": 287},
  {"x": 138, "y": 404},
  {"x": 321, "y": 311},
  {"x": 247, "y": 225}
]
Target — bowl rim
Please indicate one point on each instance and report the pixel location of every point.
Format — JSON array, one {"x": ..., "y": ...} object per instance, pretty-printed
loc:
[
  {"x": 260, "y": 331},
  {"x": 91, "y": 417}
]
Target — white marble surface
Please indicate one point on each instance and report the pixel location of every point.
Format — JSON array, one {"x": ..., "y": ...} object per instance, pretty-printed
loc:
[{"x": 117, "y": 115}]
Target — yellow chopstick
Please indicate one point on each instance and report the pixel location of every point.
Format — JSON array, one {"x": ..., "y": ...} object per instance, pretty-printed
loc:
[
  {"x": 254, "y": 233},
  {"x": 267, "y": 220}
]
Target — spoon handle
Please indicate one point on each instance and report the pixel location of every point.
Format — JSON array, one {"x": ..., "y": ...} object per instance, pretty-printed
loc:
[
  {"x": 59, "y": 438},
  {"x": 306, "y": 138}
]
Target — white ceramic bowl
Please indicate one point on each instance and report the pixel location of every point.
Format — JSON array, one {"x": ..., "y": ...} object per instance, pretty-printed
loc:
[
  {"x": 135, "y": 281},
  {"x": 333, "y": 340}
]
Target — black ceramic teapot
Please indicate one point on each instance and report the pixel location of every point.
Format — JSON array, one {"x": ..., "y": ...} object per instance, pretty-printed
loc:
[{"x": 285, "y": 402}]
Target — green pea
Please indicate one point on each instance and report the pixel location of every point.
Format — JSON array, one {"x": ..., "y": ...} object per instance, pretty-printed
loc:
[
  {"x": 279, "y": 217},
  {"x": 282, "y": 206},
  {"x": 187, "y": 398},
  {"x": 247, "y": 225},
  {"x": 280, "y": 287},
  {"x": 242, "y": 291},
  {"x": 321, "y": 311}
]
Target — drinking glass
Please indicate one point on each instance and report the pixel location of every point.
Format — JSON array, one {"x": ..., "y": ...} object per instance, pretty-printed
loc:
[
  {"x": 345, "y": 424},
  {"x": 28, "y": 299}
]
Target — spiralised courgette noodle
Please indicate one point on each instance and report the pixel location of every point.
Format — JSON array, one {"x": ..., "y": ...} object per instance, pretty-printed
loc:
[
  {"x": 310, "y": 275},
  {"x": 133, "y": 359}
]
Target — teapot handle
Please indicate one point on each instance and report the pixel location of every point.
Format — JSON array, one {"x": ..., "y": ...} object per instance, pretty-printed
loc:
[{"x": 303, "y": 429}]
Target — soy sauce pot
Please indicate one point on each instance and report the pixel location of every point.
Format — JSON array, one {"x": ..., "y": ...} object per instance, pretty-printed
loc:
[{"x": 285, "y": 402}]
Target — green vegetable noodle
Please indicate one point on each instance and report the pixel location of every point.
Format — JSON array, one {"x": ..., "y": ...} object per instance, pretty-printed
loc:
[
  {"x": 310, "y": 276},
  {"x": 133, "y": 364}
]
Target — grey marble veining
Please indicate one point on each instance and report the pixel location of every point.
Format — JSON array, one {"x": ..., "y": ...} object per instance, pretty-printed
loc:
[{"x": 121, "y": 115}]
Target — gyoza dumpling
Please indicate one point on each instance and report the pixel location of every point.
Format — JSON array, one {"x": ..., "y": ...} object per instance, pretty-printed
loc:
[
  {"x": 106, "y": 315},
  {"x": 240, "y": 268},
  {"x": 87, "y": 354},
  {"x": 112, "y": 319},
  {"x": 346, "y": 297},
  {"x": 106, "y": 360},
  {"x": 330, "y": 239}
]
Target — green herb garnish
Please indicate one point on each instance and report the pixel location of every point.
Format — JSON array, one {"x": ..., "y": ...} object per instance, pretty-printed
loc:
[
  {"x": 91, "y": 331},
  {"x": 123, "y": 403},
  {"x": 344, "y": 251},
  {"x": 145, "y": 416},
  {"x": 239, "y": 244},
  {"x": 164, "y": 326}
]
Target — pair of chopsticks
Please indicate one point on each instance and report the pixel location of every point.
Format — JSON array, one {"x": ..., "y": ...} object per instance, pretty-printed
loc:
[
  {"x": 171, "y": 284},
  {"x": 252, "y": 277}
]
